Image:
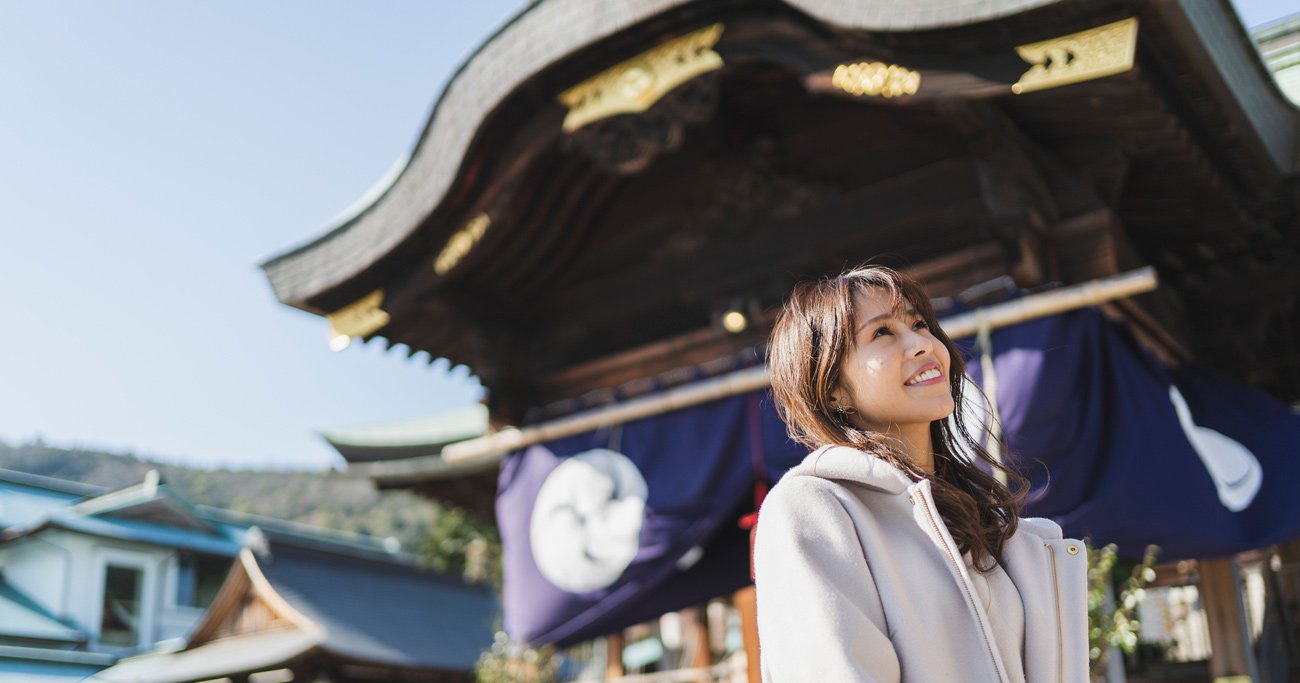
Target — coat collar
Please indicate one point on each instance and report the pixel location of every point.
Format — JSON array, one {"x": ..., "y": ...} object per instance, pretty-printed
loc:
[{"x": 841, "y": 463}]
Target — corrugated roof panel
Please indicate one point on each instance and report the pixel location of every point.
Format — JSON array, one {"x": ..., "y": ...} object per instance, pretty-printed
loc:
[
  {"x": 152, "y": 534},
  {"x": 22, "y": 617},
  {"x": 21, "y": 504}
]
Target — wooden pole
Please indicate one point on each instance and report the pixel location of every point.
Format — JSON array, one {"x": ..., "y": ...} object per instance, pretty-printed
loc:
[
  {"x": 490, "y": 448},
  {"x": 614, "y": 655},
  {"x": 745, "y": 603},
  {"x": 1288, "y": 580},
  {"x": 1231, "y": 656}
]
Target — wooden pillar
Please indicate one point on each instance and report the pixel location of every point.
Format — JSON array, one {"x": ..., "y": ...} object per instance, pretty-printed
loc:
[
  {"x": 1231, "y": 653},
  {"x": 744, "y": 601},
  {"x": 1288, "y": 580},
  {"x": 614, "y": 655}
]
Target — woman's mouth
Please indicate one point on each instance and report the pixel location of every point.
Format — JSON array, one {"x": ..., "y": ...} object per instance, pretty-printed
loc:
[{"x": 929, "y": 375}]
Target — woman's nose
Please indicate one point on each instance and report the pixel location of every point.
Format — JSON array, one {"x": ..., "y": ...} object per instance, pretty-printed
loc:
[{"x": 921, "y": 344}]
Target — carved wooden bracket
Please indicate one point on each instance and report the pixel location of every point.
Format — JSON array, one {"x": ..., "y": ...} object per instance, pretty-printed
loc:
[
  {"x": 461, "y": 243},
  {"x": 360, "y": 318},
  {"x": 636, "y": 84},
  {"x": 1094, "y": 53}
]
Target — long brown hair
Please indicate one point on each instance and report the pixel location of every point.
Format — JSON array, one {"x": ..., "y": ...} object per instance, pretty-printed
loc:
[{"x": 811, "y": 338}]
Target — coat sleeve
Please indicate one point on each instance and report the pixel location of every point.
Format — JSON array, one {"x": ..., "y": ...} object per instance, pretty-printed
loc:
[{"x": 819, "y": 617}]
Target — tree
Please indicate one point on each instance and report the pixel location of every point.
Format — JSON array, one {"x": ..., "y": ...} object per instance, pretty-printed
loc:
[
  {"x": 1114, "y": 623},
  {"x": 508, "y": 662},
  {"x": 459, "y": 543}
]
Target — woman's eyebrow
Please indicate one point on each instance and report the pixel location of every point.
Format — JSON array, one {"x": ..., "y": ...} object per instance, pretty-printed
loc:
[{"x": 909, "y": 313}]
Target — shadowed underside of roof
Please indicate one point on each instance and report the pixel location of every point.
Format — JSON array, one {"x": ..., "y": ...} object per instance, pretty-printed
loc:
[
  {"x": 551, "y": 31},
  {"x": 563, "y": 261}
]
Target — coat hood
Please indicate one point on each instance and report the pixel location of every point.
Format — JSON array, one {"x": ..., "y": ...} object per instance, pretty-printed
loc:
[{"x": 844, "y": 464}]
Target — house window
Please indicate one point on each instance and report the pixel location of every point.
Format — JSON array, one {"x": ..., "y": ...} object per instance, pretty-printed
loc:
[
  {"x": 123, "y": 592},
  {"x": 200, "y": 578}
]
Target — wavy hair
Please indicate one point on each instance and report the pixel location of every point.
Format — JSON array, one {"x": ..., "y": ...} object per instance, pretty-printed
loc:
[{"x": 811, "y": 337}]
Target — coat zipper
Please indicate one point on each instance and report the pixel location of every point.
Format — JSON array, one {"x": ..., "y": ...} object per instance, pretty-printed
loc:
[
  {"x": 988, "y": 642},
  {"x": 1056, "y": 594}
]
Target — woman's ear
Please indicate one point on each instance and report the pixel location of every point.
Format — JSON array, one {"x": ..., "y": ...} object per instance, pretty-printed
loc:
[
  {"x": 839, "y": 396},
  {"x": 840, "y": 402}
]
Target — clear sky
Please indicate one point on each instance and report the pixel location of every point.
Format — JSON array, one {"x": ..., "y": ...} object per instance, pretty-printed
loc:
[{"x": 151, "y": 153}]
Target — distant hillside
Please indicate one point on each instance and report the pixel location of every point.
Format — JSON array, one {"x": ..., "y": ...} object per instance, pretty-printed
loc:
[{"x": 307, "y": 497}]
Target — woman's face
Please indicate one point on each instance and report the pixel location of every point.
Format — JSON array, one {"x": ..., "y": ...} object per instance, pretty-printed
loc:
[{"x": 895, "y": 375}]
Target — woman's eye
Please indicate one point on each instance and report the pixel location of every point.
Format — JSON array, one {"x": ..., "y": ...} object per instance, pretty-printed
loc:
[
  {"x": 880, "y": 332},
  {"x": 920, "y": 325}
]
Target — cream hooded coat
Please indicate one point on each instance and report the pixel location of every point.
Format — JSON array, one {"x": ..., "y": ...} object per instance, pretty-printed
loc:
[{"x": 858, "y": 579}]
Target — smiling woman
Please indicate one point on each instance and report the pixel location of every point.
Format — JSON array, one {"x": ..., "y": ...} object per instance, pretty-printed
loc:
[
  {"x": 892, "y": 552},
  {"x": 894, "y": 381}
]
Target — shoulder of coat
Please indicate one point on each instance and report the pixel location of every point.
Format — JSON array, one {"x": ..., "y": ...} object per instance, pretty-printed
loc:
[{"x": 1041, "y": 527}]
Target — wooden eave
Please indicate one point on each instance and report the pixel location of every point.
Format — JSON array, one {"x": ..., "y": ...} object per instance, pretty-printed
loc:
[
  {"x": 540, "y": 37},
  {"x": 1188, "y": 162},
  {"x": 1213, "y": 40},
  {"x": 247, "y": 603}
]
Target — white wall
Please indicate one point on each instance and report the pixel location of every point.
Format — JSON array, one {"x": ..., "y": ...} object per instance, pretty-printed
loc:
[
  {"x": 39, "y": 568},
  {"x": 64, "y": 573}
]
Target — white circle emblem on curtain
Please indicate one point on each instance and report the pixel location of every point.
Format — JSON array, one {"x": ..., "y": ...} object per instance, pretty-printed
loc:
[{"x": 586, "y": 520}]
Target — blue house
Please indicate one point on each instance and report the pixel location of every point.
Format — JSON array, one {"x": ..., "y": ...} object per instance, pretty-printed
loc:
[{"x": 143, "y": 581}]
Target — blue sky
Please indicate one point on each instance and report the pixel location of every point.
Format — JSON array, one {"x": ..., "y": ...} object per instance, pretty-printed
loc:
[{"x": 151, "y": 153}]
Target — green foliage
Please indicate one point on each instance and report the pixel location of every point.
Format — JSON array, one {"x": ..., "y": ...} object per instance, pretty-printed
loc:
[
  {"x": 1114, "y": 623},
  {"x": 508, "y": 662},
  {"x": 458, "y": 543}
]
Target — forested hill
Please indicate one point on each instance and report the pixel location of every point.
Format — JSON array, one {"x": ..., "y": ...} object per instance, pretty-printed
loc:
[{"x": 307, "y": 497}]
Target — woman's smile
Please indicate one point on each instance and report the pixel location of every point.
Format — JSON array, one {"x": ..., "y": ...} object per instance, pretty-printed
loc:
[{"x": 931, "y": 373}]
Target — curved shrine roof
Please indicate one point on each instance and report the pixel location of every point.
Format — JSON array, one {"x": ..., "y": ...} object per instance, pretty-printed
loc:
[{"x": 533, "y": 41}]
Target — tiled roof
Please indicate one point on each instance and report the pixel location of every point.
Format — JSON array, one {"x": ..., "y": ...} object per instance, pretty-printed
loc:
[
  {"x": 386, "y": 613},
  {"x": 421, "y": 436}
]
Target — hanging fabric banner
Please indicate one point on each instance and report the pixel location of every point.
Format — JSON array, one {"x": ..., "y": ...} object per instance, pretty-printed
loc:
[
  {"x": 609, "y": 528},
  {"x": 1125, "y": 450}
]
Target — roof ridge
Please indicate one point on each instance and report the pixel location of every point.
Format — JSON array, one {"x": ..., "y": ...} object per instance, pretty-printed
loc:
[{"x": 51, "y": 483}]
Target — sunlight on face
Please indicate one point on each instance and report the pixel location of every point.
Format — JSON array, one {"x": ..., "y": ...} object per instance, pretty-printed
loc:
[{"x": 895, "y": 375}]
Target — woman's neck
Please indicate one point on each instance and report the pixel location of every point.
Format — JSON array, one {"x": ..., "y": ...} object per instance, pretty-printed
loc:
[{"x": 915, "y": 442}]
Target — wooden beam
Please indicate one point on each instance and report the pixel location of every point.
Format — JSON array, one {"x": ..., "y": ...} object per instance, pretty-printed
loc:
[
  {"x": 946, "y": 275},
  {"x": 1220, "y": 588}
]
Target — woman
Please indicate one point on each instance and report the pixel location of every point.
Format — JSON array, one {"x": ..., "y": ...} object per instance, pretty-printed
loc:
[{"x": 891, "y": 553}]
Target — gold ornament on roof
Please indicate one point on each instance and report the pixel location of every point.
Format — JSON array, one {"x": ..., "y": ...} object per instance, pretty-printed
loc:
[
  {"x": 461, "y": 243},
  {"x": 876, "y": 79},
  {"x": 1094, "y": 53},
  {"x": 360, "y": 318},
  {"x": 636, "y": 84}
]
